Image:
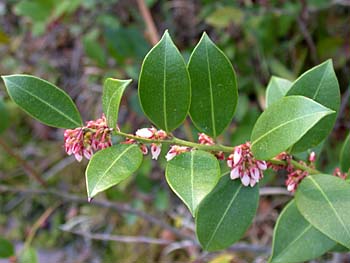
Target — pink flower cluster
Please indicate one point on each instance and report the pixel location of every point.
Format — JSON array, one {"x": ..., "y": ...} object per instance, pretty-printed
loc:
[
  {"x": 206, "y": 140},
  {"x": 84, "y": 141},
  {"x": 154, "y": 134},
  {"x": 244, "y": 166}
]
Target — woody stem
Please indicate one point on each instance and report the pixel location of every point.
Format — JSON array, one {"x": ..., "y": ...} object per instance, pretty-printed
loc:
[{"x": 214, "y": 148}]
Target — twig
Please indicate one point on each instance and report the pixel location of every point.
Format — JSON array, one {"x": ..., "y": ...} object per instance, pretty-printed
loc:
[
  {"x": 122, "y": 208},
  {"x": 147, "y": 17},
  {"x": 39, "y": 223},
  {"x": 28, "y": 168},
  {"x": 306, "y": 34},
  {"x": 274, "y": 191},
  {"x": 123, "y": 239}
]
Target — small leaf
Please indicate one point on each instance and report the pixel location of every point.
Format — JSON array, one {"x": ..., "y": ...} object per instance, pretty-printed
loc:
[
  {"x": 113, "y": 90},
  {"x": 164, "y": 85},
  {"x": 345, "y": 155},
  {"x": 192, "y": 175},
  {"x": 214, "y": 88},
  {"x": 6, "y": 248},
  {"x": 5, "y": 119},
  {"x": 295, "y": 239},
  {"x": 321, "y": 85},
  {"x": 111, "y": 166},
  {"x": 225, "y": 214},
  {"x": 324, "y": 201},
  {"x": 276, "y": 89},
  {"x": 43, "y": 101},
  {"x": 283, "y": 124}
]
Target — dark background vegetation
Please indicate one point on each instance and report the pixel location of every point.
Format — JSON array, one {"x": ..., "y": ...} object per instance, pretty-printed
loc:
[{"x": 76, "y": 44}]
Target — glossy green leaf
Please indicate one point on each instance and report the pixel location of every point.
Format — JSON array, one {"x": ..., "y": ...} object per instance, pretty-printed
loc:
[
  {"x": 4, "y": 116},
  {"x": 283, "y": 124},
  {"x": 110, "y": 166},
  {"x": 6, "y": 248},
  {"x": 214, "y": 88},
  {"x": 295, "y": 239},
  {"x": 324, "y": 200},
  {"x": 345, "y": 155},
  {"x": 320, "y": 84},
  {"x": 43, "y": 101},
  {"x": 113, "y": 90},
  {"x": 276, "y": 89},
  {"x": 225, "y": 214},
  {"x": 192, "y": 175},
  {"x": 164, "y": 85}
]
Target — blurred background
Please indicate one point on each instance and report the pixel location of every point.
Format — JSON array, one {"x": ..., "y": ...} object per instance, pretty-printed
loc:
[{"x": 76, "y": 44}]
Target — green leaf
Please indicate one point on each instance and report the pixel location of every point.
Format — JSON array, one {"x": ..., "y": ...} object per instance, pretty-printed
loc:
[
  {"x": 113, "y": 90},
  {"x": 192, "y": 175},
  {"x": 321, "y": 85},
  {"x": 214, "y": 88},
  {"x": 111, "y": 166},
  {"x": 28, "y": 255},
  {"x": 345, "y": 155},
  {"x": 283, "y": 124},
  {"x": 6, "y": 248},
  {"x": 225, "y": 214},
  {"x": 5, "y": 119},
  {"x": 324, "y": 200},
  {"x": 295, "y": 239},
  {"x": 43, "y": 101},
  {"x": 276, "y": 89},
  {"x": 164, "y": 85}
]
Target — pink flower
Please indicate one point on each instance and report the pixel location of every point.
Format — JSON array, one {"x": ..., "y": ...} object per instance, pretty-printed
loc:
[
  {"x": 312, "y": 157},
  {"x": 176, "y": 150},
  {"x": 205, "y": 139},
  {"x": 244, "y": 166},
  {"x": 85, "y": 140},
  {"x": 155, "y": 150},
  {"x": 146, "y": 133},
  {"x": 144, "y": 149}
]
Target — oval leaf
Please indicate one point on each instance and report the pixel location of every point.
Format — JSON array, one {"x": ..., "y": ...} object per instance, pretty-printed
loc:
[
  {"x": 192, "y": 175},
  {"x": 113, "y": 90},
  {"x": 321, "y": 85},
  {"x": 276, "y": 89},
  {"x": 6, "y": 248},
  {"x": 295, "y": 239},
  {"x": 324, "y": 200},
  {"x": 43, "y": 101},
  {"x": 164, "y": 85},
  {"x": 345, "y": 155},
  {"x": 213, "y": 86},
  {"x": 111, "y": 166},
  {"x": 283, "y": 124},
  {"x": 225, "y": 214}
]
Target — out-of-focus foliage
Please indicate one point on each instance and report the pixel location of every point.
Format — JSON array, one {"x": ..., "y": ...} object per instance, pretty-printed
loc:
[{"x": 77, "y": 44}]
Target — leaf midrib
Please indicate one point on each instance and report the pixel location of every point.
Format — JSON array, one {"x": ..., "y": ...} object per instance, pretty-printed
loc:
[
  {"x": 110, "y": 167},
  {"x": 223, "y": 216},
  {"x": 321, "y": 113},
  {"x": 330, "y": 204},
  {"x": 319, "y": 84},
  {"x": 44, "y": 102},
  {"x": 285, "y": 250},
  {"x": 192, "y": 180},
  {"x": 210, "y": 90},
  {"x": 164, "y": 87}
]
